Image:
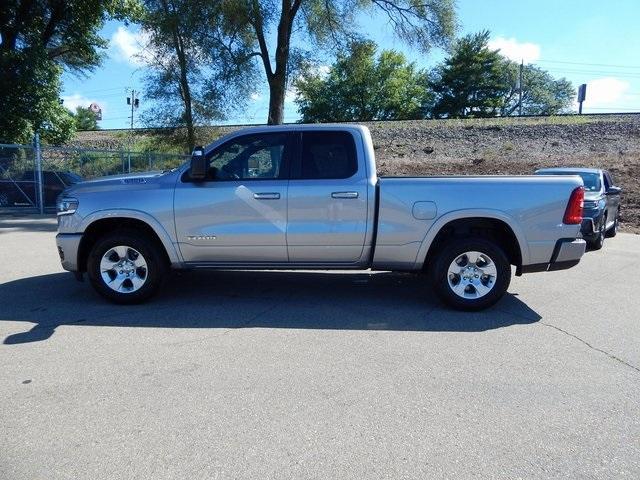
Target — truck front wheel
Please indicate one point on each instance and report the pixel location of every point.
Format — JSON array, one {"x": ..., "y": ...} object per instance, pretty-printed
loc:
[
  {"x": 470, "y": 274},
  {"x": 125, "y": 267}
]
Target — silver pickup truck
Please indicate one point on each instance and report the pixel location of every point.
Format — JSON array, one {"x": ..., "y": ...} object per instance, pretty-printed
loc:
[{"x": 308, "y": 197}]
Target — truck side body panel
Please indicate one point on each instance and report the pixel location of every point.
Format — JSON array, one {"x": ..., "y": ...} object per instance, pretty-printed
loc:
[{"x": 413, "y": 210}]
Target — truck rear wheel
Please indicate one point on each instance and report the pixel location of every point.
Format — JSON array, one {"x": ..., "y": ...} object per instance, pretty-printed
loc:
[
  {"x": 470, "y": 274},
  {"x": 125, "y": 267}
]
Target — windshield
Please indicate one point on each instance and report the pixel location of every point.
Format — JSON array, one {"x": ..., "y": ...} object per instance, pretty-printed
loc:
[{"x": 591, "y": 180}]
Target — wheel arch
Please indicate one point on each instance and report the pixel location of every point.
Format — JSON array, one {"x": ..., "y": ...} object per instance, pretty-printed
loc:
[
  {"x": 494, "y": 225},
  {"x": 97, "y": 224}
]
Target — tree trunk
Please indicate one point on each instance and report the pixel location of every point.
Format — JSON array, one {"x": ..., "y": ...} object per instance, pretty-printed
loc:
[
  {"x": 277, "y": 87},
  {"x": 186, "y": 92},
  {"x": 185, "y": 88},
  {"x": 186, "y": 98},
  {"x": 278, "y": 78}
]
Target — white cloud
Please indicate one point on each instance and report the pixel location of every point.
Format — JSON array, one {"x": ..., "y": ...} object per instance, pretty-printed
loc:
[
  {"x": 255, "y": 96},
  {"x": 130, "y": 46},
  {"x": 291, "y": 92},
  {"x": 606, "y": 92},
  {"x": 322, "y": 70},
  {"x": 514, "y": 50},
  {"x": 71, "y": 102}
]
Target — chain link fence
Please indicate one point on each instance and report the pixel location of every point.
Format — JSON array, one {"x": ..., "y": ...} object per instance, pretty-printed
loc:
[{"x": 32, "y": 176}]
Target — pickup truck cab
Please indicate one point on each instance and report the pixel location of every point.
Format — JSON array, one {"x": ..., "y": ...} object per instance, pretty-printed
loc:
[{"x": 308, "y": 197}]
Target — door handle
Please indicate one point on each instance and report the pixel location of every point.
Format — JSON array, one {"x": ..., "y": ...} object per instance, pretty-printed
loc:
[
  {"x": 344, "y": 195},
  {"x": 266, "y": 196}
]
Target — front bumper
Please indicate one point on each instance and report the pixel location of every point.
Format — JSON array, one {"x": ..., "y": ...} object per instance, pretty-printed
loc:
[
  {"x": 68, "y": 247},
  {"x": 566, "y": 254}
]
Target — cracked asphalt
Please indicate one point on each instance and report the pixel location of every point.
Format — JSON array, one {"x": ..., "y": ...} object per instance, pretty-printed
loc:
[{"x": 278, "y": 375}]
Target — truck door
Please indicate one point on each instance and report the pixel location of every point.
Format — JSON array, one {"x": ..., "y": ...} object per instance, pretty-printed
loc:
[
  {"x": 613, "y": 200},
  {"x": 238, "y": 215},
  {"x": 327, "y": 211}
]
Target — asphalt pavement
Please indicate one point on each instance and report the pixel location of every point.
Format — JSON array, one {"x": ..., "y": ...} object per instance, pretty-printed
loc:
[{"x": 278, "y": 375}]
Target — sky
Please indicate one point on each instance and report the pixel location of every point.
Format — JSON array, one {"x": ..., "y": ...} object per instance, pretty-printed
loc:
[{"x": 587, "y": 41}]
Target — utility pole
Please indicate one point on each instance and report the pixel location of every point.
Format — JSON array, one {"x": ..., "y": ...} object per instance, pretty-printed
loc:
[
  {"x": 520, "y": 89},
  {"x": 134, "y": 102}
]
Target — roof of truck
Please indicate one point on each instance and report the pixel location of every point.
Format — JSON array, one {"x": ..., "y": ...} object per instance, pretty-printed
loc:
[{"x": 285, "y": 128}]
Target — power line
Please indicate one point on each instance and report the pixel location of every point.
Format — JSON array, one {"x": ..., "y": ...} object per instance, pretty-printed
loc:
[
  {"x": 124, "y": 87},
  {"x": 626, "y": 109},
  {"x": 589, "y": 64},
  {"x": 595, "y": 72}
]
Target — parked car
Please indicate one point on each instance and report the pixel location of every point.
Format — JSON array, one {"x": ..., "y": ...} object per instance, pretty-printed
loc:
[
  {"x": 308, "y": 197},
  {"x": 21, "y": 191},
  {"x": 601, "y": 203}
]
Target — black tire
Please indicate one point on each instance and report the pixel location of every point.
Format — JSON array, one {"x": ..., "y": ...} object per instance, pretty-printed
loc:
[
  {"x": 439, "y": 273},
  {"x": 598, "y": 242},
  {"x": 613, "y": 231},
  {"x": 154, "y": 270}
]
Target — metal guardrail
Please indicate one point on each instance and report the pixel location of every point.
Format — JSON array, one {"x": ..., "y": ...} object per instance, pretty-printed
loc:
[{"x": 32, "y": 176}]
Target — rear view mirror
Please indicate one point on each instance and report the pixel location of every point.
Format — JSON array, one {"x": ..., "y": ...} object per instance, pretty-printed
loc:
[
  {"x": 614, "y": 191},
  {"x": 198, "y": 170}
]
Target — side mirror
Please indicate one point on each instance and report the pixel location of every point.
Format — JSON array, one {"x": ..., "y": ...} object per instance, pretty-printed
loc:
[
  {"x": 614, "y": 191},
  {"x": 198, "y": 171}
]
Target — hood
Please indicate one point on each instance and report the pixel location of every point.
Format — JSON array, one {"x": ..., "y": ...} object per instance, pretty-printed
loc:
[
  {"x": 125, "y": 178},
  {"x": 127, "y": 181}
]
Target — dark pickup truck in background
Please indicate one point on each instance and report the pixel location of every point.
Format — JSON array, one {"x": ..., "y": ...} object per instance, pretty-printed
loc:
[{"x": 601, "y": 212}]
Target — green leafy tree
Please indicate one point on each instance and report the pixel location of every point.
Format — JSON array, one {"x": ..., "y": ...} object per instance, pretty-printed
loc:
[
  {"x": 198, "y": 67},
  {"x": 85, "y": 119},
  {"x": 541, "y": 93},
  {"x": 38, "y": 40},
  {"x": 361, "y": 87},
  {"x": 471, "y": 81},
  {"x": 328, "y": 24}
]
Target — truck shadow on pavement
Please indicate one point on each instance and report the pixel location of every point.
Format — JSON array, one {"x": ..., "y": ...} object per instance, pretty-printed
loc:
[{"x": 235, "y": 299}]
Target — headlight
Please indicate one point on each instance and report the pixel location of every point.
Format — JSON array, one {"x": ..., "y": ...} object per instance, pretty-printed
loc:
[
  {"x": 590, "y": 204},
  {"x": 66, "y": 206}
]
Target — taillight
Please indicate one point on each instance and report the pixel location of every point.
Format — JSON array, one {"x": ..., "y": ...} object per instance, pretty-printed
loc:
[{"x": 573, "y": 214}]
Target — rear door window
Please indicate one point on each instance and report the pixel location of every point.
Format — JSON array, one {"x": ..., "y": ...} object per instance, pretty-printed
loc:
[{"x": 328, "y": 155}]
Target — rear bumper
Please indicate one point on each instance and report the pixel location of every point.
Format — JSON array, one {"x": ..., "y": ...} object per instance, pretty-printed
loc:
[
  {"x": 68, "y": 246},
  {"x": 566, "y": 254}
]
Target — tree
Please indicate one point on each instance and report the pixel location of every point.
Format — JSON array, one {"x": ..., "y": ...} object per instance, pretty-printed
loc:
[
  {"x": 38, "y": 39},
  {"x": 328, "y": 24},
  {"x": 359, "y": 87},
  {"x": 194, "y": 63},
  {"x": 29, "y": 102},
  {"x": 85, "y": 119},
  {"x": 470, "y": 82},
  {"x": 541, "y": 93}
]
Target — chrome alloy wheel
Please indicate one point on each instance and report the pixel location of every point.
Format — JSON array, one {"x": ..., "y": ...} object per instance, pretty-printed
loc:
[
  {"x": 123, "y": 269},
  {"x": 472, "y": 275}
]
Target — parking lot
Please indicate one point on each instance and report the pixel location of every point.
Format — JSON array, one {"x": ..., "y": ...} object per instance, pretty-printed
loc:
[{"x": 317, "y": 375}]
